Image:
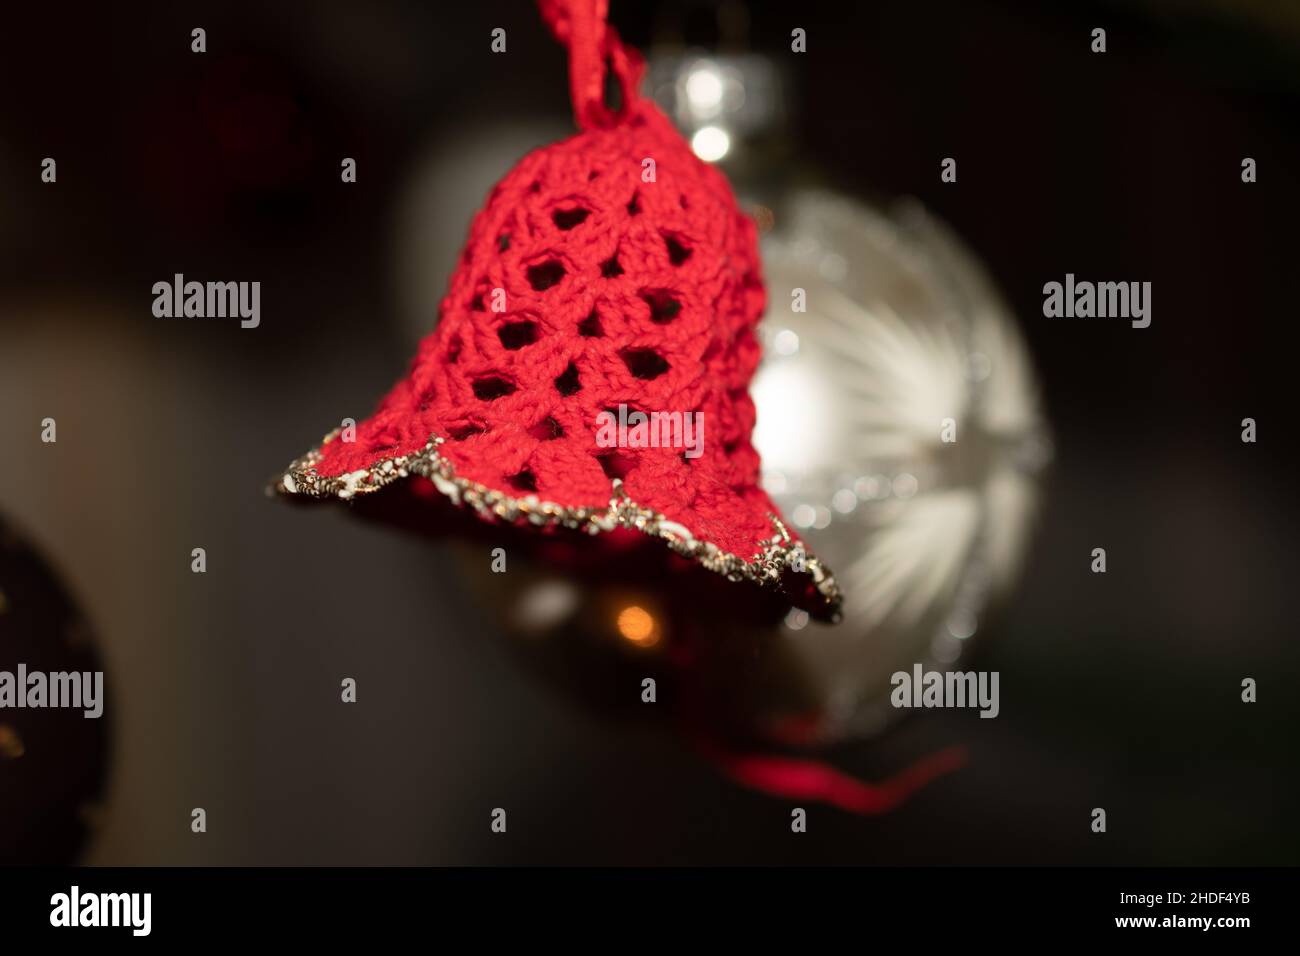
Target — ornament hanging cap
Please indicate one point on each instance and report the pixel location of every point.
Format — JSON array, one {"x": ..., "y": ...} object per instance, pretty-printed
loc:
[{"x": 610, "y": 283}]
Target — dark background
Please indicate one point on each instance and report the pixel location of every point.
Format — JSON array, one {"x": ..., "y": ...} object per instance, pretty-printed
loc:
[{"x": 1119, "y": 690}]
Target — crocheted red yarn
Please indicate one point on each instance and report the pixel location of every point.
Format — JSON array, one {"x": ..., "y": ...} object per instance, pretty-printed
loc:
[{"x": 625, "y": 275}]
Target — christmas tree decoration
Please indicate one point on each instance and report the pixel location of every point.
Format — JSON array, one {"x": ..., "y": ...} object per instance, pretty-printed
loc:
[
  {"x": 53, "y": 757},
  {"x": 918, "y": 476},
  {"x": 610, "y": 276},
  {"x": 883, "y": 338}
]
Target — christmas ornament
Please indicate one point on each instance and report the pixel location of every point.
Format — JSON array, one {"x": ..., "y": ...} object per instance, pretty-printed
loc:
[
  {"x": 917, "y": 475},
  {"x": 608, "y": 274},
  {"x": 53, "y": 758}
]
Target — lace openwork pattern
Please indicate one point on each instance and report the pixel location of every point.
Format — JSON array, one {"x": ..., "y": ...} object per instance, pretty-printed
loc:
[{"x": 611, "y": 269}]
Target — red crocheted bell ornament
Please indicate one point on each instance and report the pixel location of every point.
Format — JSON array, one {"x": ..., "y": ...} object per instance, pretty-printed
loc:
[{"x": 608, "y": 275}]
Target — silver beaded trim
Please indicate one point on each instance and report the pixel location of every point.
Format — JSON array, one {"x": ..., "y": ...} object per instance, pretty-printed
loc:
[{"x": 764, "y": 568}]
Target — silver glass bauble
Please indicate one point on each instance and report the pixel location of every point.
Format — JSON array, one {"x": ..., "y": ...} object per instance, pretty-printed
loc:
[{"x": 901, "y": 431}]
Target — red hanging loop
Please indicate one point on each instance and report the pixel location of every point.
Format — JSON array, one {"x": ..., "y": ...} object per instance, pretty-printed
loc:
[{"x": 581, "y": 26}]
